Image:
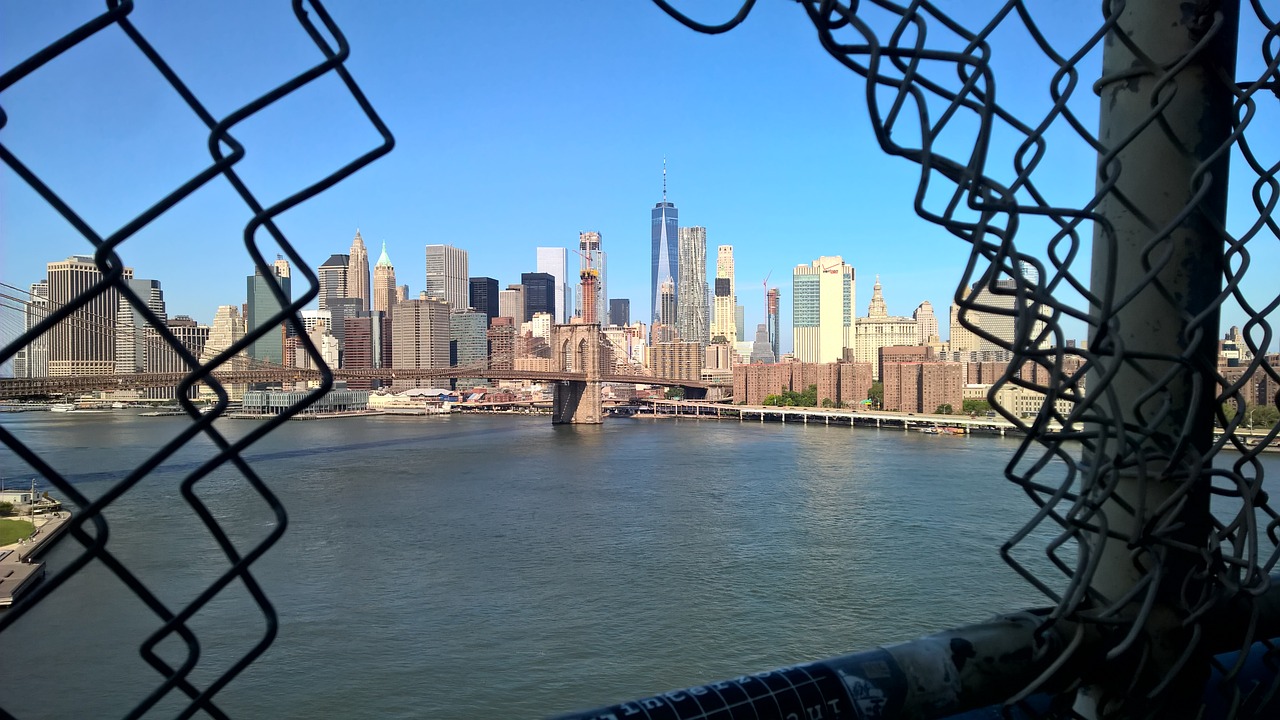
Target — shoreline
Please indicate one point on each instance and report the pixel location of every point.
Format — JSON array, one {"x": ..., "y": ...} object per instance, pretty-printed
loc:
[{"x": 20, "y": 566}]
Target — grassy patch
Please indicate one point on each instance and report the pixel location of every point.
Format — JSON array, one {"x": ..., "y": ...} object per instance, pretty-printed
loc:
[{"x": 11, "y": 531}]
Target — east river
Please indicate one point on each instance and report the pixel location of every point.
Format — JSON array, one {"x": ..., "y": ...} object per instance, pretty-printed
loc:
[{"x": 484, "y": 567}]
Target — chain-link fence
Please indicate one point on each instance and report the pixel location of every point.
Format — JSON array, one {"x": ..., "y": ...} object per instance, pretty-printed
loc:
[
  {"x": 89, "y": 525},
  {"x": 1138, "y": 454},
  {"x": 1138, "y": 458}
]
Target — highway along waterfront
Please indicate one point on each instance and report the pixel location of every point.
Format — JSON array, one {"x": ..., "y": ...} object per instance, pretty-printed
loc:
[{"x": 482, "y": 566}]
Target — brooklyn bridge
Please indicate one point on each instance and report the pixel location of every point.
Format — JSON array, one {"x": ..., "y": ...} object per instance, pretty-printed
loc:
[{"x": 581, "y": 361}]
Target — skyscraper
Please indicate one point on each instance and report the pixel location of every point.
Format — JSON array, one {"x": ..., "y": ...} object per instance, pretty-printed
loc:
[
  {"x": 468, "y": 343},
  {"x": 84, "y": 342},
  {"x": 662, "y": 332},
  {"x": 368, "y": 346},
  {"x": 484, "y": 296},
  {"x": 419, "y": 339},
  {"x": 131, "y": 326},
  {"x": 539, "y": 295},
  {"x": 332, "y": 275},
  {"x": 162, "y": 358},
  {"x": 665, "y": 220},
  {"x": 691, "y": 286},
  {"x": 358, "y": 272},
  {"x": 822, "y": 309},
  {"x": 594, "y": 257},
  {"x": 771, "y": 311},
  {"x": 384, "y": 283},
  {"x": 926, "y": 322},
  {"x": 227, "y": 329},
  {"x": 447, "y": 275},
  {"x": 762, "y": 348},
  {"x": 262, "y": 305},
  {"x": 619, "y": 311},
  {"x": 511, "y": 303},
  {"x": 555, "y": 262},
  {"x": 999, "y": 321},
  {"x": 724, "y": 321},
  {"x": 32, "y": 360}
]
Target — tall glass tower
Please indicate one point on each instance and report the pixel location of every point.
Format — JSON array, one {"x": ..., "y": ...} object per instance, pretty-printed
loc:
[{"x": 665, "y": 247}]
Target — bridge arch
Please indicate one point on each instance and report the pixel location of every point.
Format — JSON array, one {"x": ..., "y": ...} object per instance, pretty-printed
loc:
[{"x": 566, "y": 356}]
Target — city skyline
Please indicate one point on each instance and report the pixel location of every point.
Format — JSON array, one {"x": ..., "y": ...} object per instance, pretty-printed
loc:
[{"x": 484, "y": 186}]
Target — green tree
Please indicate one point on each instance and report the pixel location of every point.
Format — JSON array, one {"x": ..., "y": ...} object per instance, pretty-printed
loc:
[
  {"x": 773, "y": 400},
  {"x": 944, "y": 409},
  {"x": 826, "y": 403},
  {"x": 876, "y": 394},
  {"x": 1260, "y": 416},
  {"x": 809, "y": 398},
  {"x": 975, "y": 406},
  {"x": 675, "y": 393},
  {"x": 6, "y": 508}
]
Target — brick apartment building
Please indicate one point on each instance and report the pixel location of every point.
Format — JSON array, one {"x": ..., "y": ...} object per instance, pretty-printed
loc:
[
  {"x": 921, "y": 387},
  {"x": 846, "y": 383}
]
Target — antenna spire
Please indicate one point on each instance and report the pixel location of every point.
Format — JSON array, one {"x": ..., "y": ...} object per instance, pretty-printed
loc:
[{"x": 664, "y": 178}]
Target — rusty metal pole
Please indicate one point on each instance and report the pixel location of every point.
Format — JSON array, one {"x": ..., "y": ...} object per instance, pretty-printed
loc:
[{"x": 1166, "y": 110}]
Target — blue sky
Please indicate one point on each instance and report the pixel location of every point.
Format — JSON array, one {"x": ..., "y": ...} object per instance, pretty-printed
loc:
[{"x": 518, "y": 124}]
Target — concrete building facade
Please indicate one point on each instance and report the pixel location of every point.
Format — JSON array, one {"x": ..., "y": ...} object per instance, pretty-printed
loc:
[
  {"x": 880, "y": 329},
  {"x": 84, "y": 342},
  {"x": 447, "y": 275},
  {"x": 724, "y": 318},
  {"x": 822, "y": 309},
  {"x": 679, "y": 360},
  {"x": 419, "y": 339}
]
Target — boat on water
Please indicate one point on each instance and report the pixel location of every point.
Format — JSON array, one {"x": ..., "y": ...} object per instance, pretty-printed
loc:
[{"x": 62, "y": 407}]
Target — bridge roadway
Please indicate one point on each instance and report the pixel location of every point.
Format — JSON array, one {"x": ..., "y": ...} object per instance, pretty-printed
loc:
[{"x": 27, "y": 387}]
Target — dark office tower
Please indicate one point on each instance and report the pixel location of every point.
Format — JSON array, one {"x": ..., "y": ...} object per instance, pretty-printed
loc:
[
  {"x": 484, "y": 296},
  {"x": 368, "y": 340},
  {"x": 332, "y": 275},
  {"x": 539, "y": 294},
  {"x": 665, "y": 221},
  {"x": 261, "y": 308},
  {"x": 339, "y": 310},
  {"x": 771, "y": 310},
  {"x": 619, "y": 311}
]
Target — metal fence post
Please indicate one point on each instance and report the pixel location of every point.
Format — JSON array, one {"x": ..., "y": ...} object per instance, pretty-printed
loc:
[{"x": 1157, "y": 271}]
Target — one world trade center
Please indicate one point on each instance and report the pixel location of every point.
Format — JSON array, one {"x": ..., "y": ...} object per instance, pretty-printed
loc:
[{"x": 665, "y": 263}]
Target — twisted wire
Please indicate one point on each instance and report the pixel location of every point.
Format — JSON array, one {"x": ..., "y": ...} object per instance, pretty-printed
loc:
[
  {"x": 89, "y": 526},
  {"x": 927, "y": 74}
]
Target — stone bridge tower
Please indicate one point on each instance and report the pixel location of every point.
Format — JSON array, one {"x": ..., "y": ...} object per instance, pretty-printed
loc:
[{"x": 576, "y": 349}]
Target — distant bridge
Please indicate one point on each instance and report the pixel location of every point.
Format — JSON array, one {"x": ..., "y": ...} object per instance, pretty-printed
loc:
[{"x": 28, "y": 387}]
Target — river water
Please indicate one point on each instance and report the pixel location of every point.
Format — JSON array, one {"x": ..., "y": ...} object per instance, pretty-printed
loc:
[{"x": 481, "y": 566}]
